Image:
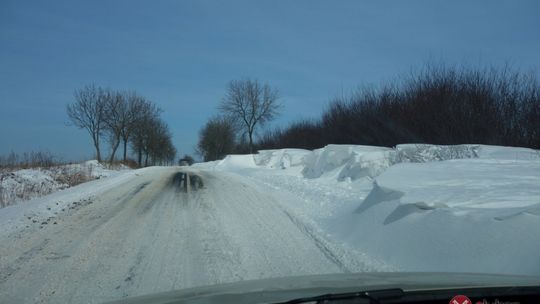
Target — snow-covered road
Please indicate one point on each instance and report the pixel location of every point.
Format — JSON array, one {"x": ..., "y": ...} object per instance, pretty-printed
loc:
[{"x": 147, "y": 236}]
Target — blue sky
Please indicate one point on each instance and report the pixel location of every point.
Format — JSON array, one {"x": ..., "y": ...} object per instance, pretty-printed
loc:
[{"x": 181, "y": 54}]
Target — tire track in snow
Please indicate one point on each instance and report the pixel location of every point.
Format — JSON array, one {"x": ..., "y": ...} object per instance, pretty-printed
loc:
[
  {"x": 319, "y": 242},
  {"x": 146, "y": 237}
]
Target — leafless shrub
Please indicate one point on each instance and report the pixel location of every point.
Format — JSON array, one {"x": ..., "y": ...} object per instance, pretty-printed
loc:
[
  {"x": 41, "y": 159},
  {"x": 304, "y": 134},
  {"x": 72, "y": 176},
  {"x": 438, "y": 105}
]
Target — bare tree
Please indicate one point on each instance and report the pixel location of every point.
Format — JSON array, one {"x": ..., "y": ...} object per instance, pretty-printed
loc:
[
  {"x": 135, "y": 106},
  {"x": 88, "y": 112},
  {"x": 159, "y": 147},
  {"x": 141, "y": 131},
  {"x": 216, "y": 139},
  {"x": 116, "y": 119},
  {"x": 438, "y": 105},
  {"x": 250, "y": 104},
  {"x": 150, "y": 136}
]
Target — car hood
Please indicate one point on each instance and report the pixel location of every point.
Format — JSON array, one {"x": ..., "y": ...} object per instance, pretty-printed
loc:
[{"x": 288, "y": 288}]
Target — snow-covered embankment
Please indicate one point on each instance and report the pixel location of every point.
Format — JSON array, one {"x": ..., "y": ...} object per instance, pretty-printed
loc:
[
  {"x": 25, "y": 184},
  {"x": 471, "y": 208}
]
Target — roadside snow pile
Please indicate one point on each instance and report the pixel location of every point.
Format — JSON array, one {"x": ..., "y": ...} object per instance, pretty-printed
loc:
[
  {"x": 478, "y": 183},
  {"x": 45, "y": 209},
  {"x": 236, "y": 162},
  {"x": 422, "y": 153},
  {"x": 476, "y": 215},
  {"x": 280, "y": 159},
  {"x": 508, "y": 153},
  {"x": 26, "y": 184},
  {"x": 465, "y": 208},
  {"x": 347, "y": 162},
  {"x": 92, "y": 169},
  {"x": 269, "y": 159}
]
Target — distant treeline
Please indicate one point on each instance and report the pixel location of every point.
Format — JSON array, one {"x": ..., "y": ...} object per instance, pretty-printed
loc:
[{"x": 437, "y": 105}]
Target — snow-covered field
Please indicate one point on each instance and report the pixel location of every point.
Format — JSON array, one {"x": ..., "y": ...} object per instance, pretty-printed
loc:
[
  {"x": 26, "y": 184},
  {"x": 468, "y": 208}
]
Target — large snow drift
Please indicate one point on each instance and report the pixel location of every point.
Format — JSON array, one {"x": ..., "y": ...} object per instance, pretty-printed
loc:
[{"x": 471, "y": 208}]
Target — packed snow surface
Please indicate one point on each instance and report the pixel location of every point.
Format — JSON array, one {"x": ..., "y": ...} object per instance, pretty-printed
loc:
[
  {"x": 138, "y": 233},
  {"x": 339, "y": 209}
]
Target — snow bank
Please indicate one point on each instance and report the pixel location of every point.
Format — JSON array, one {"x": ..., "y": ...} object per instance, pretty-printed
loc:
[
  {"x": 507, "y": 153},
  {"x": 351, "y": 162},
  {"x": 280, "y": 159},
  {"x": 421, "y": 153},
  {"x": 476, "y": 215},
  {"x": 26, "y": 184},
  {"x": 269, "y": 159},
  {"x": 467, "y": 208},
  {"x": 370, "y": 162},
  {"x": 235, "y": 162},
  {"x": 346, "y": 162},
  {"x": 43, "y": 209},
  {"x": 472, "y": 184}
]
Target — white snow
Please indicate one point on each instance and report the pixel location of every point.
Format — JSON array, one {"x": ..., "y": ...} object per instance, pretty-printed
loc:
[
  {"x": 46, "y": 208},
  {"x": 342, "y": 208},
  {"x": 236, "y": 161},
  {"x": 138, "y": 233},
  {"x": 280, "y": 159},
  {"x": 471, "y": 208},
  {"x": 26, "y": 184}
]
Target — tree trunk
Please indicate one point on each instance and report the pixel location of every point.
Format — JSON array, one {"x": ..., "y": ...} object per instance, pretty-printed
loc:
[
  {"x": 114, "y": 148},
  {"x": 139, "y": 157},
  {"x": 125, "y": 150},
  {"x": 98, "y": 154},
  {"x": 96, "y": 145},
  {"x": 250, "y": 134}
]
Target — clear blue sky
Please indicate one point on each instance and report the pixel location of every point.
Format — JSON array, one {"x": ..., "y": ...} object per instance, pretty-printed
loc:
[{"x": 181, "y": 54}]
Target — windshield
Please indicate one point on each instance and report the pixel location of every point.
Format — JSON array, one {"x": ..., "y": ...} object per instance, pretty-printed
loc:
[{"x": 151, "y": 147}]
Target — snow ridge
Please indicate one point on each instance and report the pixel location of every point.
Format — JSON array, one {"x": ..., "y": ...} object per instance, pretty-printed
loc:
[{"x": 416, "y": 207}]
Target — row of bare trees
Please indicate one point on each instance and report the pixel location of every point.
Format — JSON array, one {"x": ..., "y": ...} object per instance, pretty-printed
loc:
[
  {"x": 438, "y": 105},
  {"x": 122, "y": 118},
  {"x": 247, "y": 106}
]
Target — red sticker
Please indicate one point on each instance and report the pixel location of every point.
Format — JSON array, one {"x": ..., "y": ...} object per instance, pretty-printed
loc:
[{"x": 460, "y": 300}]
